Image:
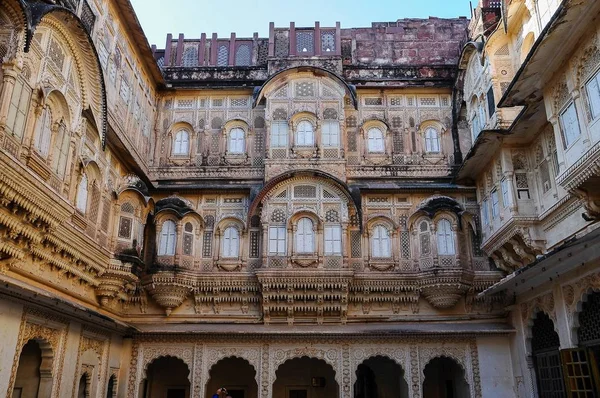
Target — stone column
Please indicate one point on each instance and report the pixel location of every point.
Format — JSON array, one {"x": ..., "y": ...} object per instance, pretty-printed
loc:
[
  {"x": 560, "y": 146},
  {"x": 10, "y": 73}
]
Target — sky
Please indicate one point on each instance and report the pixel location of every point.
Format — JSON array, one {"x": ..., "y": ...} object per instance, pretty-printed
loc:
[{"x": 244, "y": 17}]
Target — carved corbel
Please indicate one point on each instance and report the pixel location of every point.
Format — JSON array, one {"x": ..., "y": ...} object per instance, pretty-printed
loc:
[
  {"x": 521, "y": 252},
  {"x": 509, "y": 259},
  {"x": 591, "y": 204}
]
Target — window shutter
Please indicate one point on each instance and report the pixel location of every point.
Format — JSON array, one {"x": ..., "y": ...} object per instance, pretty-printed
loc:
[
  {"x": 281, "y": 240},
  {"x": 376, "y": 243},
  {"x": 273, "y": 241},
  {"x": 162, "y": 249},
  {"x": 570, "y": 124},
  {"x": 577, "y": 371},
  {"x": 593, "y": 91},
  {"x": 171, "y": 239},
  {"x": 491, "y": 102},
  {"x": 337, "y": 240}
]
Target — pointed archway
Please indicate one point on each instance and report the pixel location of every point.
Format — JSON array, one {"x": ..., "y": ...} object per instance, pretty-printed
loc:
[
  {"x": 166, "y": 377},
  {"x": 305, "y": 378},
  {"x": 235, "y": 374},
  {"x": 445, "y": 378},
  {"x": 34, "y": 372},
  {"x": 380, "y": 376}
]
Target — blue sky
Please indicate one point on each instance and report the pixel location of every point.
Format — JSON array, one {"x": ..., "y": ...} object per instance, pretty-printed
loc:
[{"x": 192, "y": 17}]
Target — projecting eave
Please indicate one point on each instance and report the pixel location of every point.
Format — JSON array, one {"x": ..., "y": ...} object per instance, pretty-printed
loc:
[
  {"x": 404, "y": 186},
  {"x": 549, "y": 52},
  {"x": 486, "y": 144},
  {"x": 550, "y": 267},
  {"x": 390, "y": 329}
]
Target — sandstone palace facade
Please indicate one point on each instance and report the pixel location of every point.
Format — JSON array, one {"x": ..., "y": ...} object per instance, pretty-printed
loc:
[{"x": 403, "y": 210}]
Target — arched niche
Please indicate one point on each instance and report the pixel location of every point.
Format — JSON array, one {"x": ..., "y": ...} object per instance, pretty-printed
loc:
[
  {"x": 165, "y": 373},
  {"x": 34, "y": 371}
]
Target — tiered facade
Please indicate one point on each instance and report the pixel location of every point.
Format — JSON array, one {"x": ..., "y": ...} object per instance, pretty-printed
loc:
[{"x": 325, "y": 211}]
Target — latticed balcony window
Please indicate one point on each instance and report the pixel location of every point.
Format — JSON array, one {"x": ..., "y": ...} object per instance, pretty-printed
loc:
[
  {"x": 327, "y": 41},
  {"x": 223, "y": 55},
  {"x": 305, "y": 42},
  {"x": 188, "y": 239},
  {"x": 243, "y": 55}
]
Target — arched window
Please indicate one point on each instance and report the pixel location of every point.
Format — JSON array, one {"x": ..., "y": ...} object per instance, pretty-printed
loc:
[
  {"x": 43, "y": 134},
  {"x": 181, "y": 145},
  {"x": 305, "y": 242},
  {"x": 445, "y": 238},
  {"x": 237, "y": 141},
  {"x": 231, "y": 243},
  {"x": 375, "y": 140},
  {"x": 188, "y": 239},
  {"x": 304, "y": 134},
  {"x": 82, "y": 194},
  {"x": 61, "y": 150},
  {"x": 168, "y": 239},
  {"x": 424, "y": 239},
  {"x": 432, "y": 140},
  {"x": 330, "y": 133},
  {"x": 380, "y": 242}
]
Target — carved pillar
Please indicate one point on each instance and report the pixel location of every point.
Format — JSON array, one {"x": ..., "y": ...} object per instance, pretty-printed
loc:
[
  {"x": 512, "y": 193},
  {"x": 580, "y": 105},
  {"x": 265, "y": 246},
  {"x": 433, "y": 243},
  {"x": 456, "y": 237},
  {"x": 179, "y": 240},
  {"x": 345, "y": 245},
  {"x": 560, "y": 146},
  {"x": 53, "y": 136},
  {"x": 346, "y": 385},
  {"x": 10, "y": 72},
  {"x": 264, "y": 378},
  {"x": 318, "y": 232},
  {"x": 532, "y": 377}
]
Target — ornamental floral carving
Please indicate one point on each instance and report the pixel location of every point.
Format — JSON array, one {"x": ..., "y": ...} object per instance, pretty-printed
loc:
[{"x": 168, "y": 290}]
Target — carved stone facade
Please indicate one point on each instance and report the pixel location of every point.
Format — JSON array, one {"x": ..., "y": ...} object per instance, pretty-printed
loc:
[{"x": 319, "y": 200}]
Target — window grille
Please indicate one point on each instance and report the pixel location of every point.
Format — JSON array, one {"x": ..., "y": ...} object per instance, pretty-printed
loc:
[
  {"x": 327, "y": 41},
  {"x": 263, "y": 52},
  {"x": 352, "y": 142},
  {"x": 427, "y": 101},
  {"x": 282, "y": 43},
  {"x": 105, "y": 215},
  {"x": 125, "y": 224},
  {"x": 188, "y": 244},
  {"x": 216, "y": 123},
  {"x": 254, "y": 245},
  {"x": 305, "y": 191},
  {"x": 87, "y": 17},
  {"x": 396, "y": 101},
  {"x": 355, "y": 246},
  {"x": 491, "y": 102},
  {"x": 259, "y": 122},
  {"x": 239, "y": 102},
  {"x": 405, "y": 244},
  {"x": 589, "y": 320},
  {"x": 185, "y": 103},
  {"x": 161, "y": 62},
  {"x": 223, "y": 55},
  {"x": 243, "y": 55},
  {"x": 445, "y": 101},
  {"x": 282, "y": 195},
  {"x": 279, "y": 114},
  {"x": 398, "y": 142},
  {"x": 190, "y": 57},
  {"x": 372, "y": 101},
  {"x": 305, "y": 42},
  {"x": 56, "y": 54},
  {"x": 332, "y": 216},
  {"x": 351, "y": 121},
  {"x": 278, "y": 216},
  {"x": 543, "y": 334},
  {"x": 209, "y": 220},
  {"x": 330, "y": 114},
  {"x": 207, "y": 244},
  {"x": 397, "y": 122},
  {"x": 305, "y": 89},
  {"x": 328, "y": 195}
]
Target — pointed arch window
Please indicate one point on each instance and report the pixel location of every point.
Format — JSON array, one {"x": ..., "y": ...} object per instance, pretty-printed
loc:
[
  {"x": 61, "y": 150},
  {"x": 381, "y": 242},
  {"x": 305, "y": 242},
  {"x": 445, "y": 238},
  {"x": 432, "y": 140},
  {"x": 181, "y": 145},
  {"x": 231, "y": 242},
  {"x": 305, "y": 135},
  {"x": 237, "y": 141},
  {"x": 168, "y": 239},
  {"x": 375, "y": 140},
  {"x": 82, "y": 194},
  {"x": 43, "y": 134}
]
